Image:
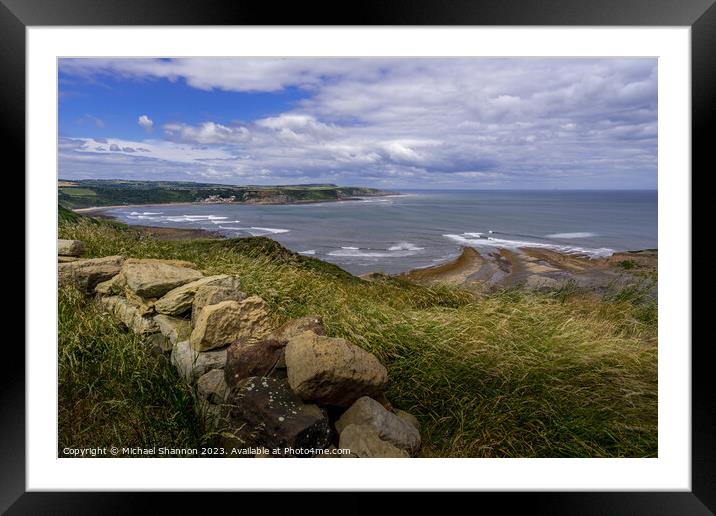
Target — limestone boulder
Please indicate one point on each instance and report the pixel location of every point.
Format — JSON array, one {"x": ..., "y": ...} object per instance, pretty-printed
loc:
[
  {"x": 408, "y": 418},
  {"x": 364, "y": 441},
  {"x": 265, "y": 412},
  {"x": 129, "y": 315},
  {"x": 70, "y": 247},
  {"x": 173, "y": 328},
  {"x": 390, "y": 427},
  {"x": 86, "y": 274},
  {"x": 211, "y": 295},
  {"x": 191, "y": 364},
  {"x": 144, "y": 306},
  {"x": 153, "y": 279},
  {"x": 221, "y": 324},
  {"x": 109, "y": 287},
  {"x": 332, "y": 371},
  {"x": 67, "y": 259},
  {"x": 212, "y": 387},
  {"x": 179, "y": 300},
  {"x": 246, "y": 358}
]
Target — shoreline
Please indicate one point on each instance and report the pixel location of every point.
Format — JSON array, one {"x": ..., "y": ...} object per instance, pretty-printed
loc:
[
  {"x": 93, "y": 209},
  {"x": 474, "y": 269}
]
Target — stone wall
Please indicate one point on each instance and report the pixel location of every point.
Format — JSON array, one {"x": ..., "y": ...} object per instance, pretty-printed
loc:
[{"x": 291, "y": 389}]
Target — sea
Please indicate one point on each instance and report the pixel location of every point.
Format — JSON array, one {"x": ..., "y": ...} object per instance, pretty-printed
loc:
[{"x": 423, "y": 228}]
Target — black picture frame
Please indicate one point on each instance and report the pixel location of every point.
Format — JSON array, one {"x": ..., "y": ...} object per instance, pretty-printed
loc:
[{"x": 700, "y": 15}]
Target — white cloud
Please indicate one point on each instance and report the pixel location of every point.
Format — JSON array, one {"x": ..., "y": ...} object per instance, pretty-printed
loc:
[
  {"x": 145, "y": 122},
  {"x": 539, "y": 122}
]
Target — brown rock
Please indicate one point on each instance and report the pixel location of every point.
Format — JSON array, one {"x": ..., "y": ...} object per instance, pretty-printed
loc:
[
  {"x": 86, "y": 274},
  {"x": 174, "y": 328},
  {"x": 211, "y": 295},
  {"x": 153, "y": 279},
  {"x": 70, "y": 247},
  {"x": 179, "y": 300},
  {"x": 332, "y": 371},
  {"x": 212, "y": 387},
  {"x": 221, "y": 324},
  {"x": 245, "y": 358},
  {"x": 191, "y": 364},
  {"x": 390, "y": 427},
  {"x": 264, "y": 412},
  {"x": 364, "y": 441}
]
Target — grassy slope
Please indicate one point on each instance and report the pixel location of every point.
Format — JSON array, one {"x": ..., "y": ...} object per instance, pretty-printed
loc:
[{"x": 512, "y": 374}]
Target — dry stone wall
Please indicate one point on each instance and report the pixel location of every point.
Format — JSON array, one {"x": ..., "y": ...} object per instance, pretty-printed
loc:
[{"x": 291, "y": 389}]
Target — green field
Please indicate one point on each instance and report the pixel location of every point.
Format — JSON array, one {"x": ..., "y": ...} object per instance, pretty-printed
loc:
[
  {"x": 510, "y": 374},
  {"x": 94, "y": 192}
]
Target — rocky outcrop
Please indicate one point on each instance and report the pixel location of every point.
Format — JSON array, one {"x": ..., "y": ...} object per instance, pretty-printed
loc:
[
  {"x": 70, "y": 247},
  {"x": 221, "y": 324},
  {"x": 275, "y": 417},
  {"x": 178, "y": 301},
  {"x": 364, "y": 441},
  {"x": 87, "y": 274},
  {"x": 332, "y": 371},
  {"x": 389, "y": 426}
]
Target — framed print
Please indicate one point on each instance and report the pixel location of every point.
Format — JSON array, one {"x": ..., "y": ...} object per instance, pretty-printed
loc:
[{"x": 432, "y": 238}]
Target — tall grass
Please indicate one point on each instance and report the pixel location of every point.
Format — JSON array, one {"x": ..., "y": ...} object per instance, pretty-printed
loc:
[
  {"x": 511, "y": 374},
  {"x": 111, "y": 391}
]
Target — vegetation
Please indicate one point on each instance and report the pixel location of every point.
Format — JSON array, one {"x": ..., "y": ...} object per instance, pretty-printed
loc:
[
  {"x": 94, "y": 192},
  {"x": 511, "y": 374}
]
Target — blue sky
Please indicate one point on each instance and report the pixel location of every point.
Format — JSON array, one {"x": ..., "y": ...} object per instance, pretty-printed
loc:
[{"x": 392, "y": 123}]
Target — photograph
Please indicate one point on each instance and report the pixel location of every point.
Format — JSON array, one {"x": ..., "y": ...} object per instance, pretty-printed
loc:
[{"x": 357, "y": 257}]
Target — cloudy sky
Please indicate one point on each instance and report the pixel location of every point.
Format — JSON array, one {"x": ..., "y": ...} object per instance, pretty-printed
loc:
[{"x": 399, "y": 123}]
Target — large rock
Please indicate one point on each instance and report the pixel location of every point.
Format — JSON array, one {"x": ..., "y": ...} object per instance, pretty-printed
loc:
[
  {"x": 191, "y": 364},
  {"x": 408, "y": 418},
  {"x": 246, "y": 358},
  {"x": 174, "y": 328},
  {"x": 111, "y": 287},
  {"x": 364, "y": 441},
  {"x": 266, "y": 357},
  {"x": 179, "y": 300},
  {"x": 265, "y": 412},
  {"x": 211, "y": 295},
  {"x": 212, "y": 387},
  {"x": 144, "y": 306},
  {"x": 332, "y": 371},
  {"x": 70, "y": 247},
  {"x": 129, "y": 315},
  {"x": 221, "y": 324},
  {"x": 153, "y": 279},
  {"x": 86, "y": 274},
  {"x": 390, "y": 427}
]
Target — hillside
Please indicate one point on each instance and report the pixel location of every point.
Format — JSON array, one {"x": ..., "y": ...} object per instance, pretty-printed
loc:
[
  {"x": 94, "y": 192},
  {"x": 506, "y": 374}
]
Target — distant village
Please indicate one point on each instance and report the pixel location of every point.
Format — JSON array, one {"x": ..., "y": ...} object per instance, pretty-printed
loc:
[{"x": 218, "y": 199}]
